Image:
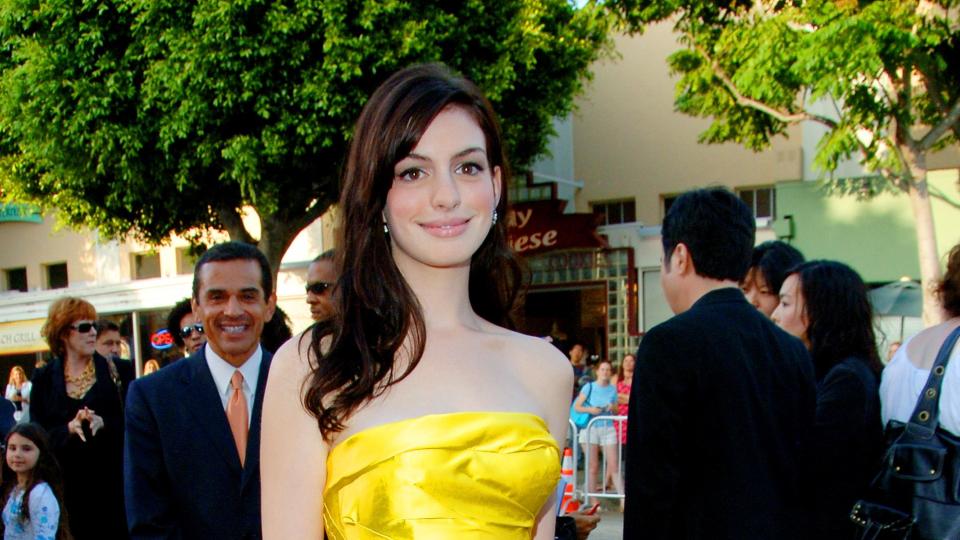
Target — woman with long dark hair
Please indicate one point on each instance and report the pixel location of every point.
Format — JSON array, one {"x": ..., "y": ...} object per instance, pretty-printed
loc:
[
  {"x": 32, "y": 487},
  {"x": 825, "y": 304},
  {"x": 415, "y": 412},
  {"x": 77, "y": 398}
]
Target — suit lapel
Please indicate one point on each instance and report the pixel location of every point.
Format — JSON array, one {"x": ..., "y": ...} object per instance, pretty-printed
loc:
[
  {"x": 253, "y": 441},
  {"x": 203, "y": 400}
]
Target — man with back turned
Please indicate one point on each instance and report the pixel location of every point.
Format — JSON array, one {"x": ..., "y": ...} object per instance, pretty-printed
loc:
[{"x": 723, "y": 401}]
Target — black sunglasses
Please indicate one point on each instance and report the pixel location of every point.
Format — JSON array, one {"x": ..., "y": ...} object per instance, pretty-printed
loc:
[
  {"x": 319, "y": 287},
  {"x": 186, "y": 331},
  {"x": 84, "y": 327}
]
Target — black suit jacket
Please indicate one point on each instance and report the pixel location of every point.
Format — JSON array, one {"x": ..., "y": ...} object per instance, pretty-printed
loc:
[
  {"x": 182, "y": 473},
  {"x": 721, "y": 412}
]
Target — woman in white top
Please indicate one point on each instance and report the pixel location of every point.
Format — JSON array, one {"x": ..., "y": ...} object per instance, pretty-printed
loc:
[
  {"x": 18, "y": 391},
  {"x": 905, "y": 376}
]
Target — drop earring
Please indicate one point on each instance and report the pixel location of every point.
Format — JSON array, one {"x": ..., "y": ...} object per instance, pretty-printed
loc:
[
  {"x": 386, "y": 230},
  {"x": 494, "y": 218}
]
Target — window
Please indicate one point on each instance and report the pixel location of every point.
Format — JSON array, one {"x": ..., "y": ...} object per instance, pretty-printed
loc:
[
  {"x": 668, "y": 201},
  {"x": 15, "y": 279},
  {"x": 146, "y": 265},
  {"x": 56, "y": 275},
  {"x": 763, "y": 201},
  {"x": 613, "y": 212},
  {"x": 185, "y": 261}
]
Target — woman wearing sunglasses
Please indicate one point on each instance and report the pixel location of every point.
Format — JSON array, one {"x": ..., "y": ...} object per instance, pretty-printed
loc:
[{"x": 77, "y": 398}]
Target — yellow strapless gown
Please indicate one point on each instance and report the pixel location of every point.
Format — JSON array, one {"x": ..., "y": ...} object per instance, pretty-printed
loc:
[{"x": 443, "y": 476}]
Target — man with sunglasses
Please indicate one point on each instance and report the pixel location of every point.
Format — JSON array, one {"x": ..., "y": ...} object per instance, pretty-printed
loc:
[
  {"x": 192, "y": 447},
  {"x": 321, "y": 276},
  {"x": 186, "y": 329}
]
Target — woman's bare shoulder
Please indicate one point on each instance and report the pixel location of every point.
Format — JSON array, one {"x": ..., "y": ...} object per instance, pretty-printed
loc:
[
  {"x": 540, "y": 355},
  {"x": 922, "y": 348}
]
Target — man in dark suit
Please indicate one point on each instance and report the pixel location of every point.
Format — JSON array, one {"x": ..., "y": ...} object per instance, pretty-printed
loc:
[
  {"x": 192, "y": 449},
  {"x": 723, "y": 401}
]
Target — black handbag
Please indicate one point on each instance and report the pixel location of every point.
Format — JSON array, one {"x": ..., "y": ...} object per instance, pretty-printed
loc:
[{"x": 916, "y": 494}]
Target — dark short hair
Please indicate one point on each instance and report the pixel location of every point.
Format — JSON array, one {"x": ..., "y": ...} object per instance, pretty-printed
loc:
[
  {"x": 773, "y": 259},
  {"x": 718, "y": 230},
  {"x": 327, "y": 255},
  {"x": 231, "y": 251},
  {"x": 106, "y": 325},
  {"x": 180, "y": 309},
  {"x": 948, "y": 288},
  {"x": 839, "y": 315}
]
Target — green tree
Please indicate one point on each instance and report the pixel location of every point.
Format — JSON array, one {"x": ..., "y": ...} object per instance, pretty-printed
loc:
[
  {"x": 151, "y": 117},
  {"x": 889, "y": 71}
]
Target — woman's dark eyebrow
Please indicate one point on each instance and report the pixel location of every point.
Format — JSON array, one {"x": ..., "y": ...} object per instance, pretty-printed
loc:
[{"x": 472, "y": 149}]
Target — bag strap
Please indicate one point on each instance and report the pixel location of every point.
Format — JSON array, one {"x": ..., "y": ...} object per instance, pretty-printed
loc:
[
  {"x": 115, "y": 375},
  {"x": 927, "y": 411}
]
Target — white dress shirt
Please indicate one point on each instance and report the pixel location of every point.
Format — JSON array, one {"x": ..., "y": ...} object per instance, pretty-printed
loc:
[{"x": 222, "y": 371}]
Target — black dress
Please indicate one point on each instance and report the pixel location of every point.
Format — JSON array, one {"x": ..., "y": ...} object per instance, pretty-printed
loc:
[{"x": 92, "y": 470}]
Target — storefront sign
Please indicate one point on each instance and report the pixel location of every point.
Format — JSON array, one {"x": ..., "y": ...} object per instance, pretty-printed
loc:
[
  {"x": 540, "y": 226},
  {"x": 22, "y": 337},
  {"x": 161, "y": 339},
  {"x": 20, "y": 212}
]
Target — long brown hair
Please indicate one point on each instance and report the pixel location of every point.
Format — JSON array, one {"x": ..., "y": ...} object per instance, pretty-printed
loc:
[
  {"x": 375, "y": 309},
  {"x": 46, "y": 470}
]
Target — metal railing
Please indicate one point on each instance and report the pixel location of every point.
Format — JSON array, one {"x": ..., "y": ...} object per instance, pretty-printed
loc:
[{"x": 603, "y": 492}]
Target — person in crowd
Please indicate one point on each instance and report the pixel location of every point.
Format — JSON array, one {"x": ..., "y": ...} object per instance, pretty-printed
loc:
[
  {"x": 596, "y": 398},
  {"x": 108, "y": 339},
  {"x": 578, "y": 357},
  {"x": 31, "y": 474},
  {"x": 722, "y": 402},
  {"x": 18, "y": 392},
  {"x": 186, "y": 329},
  {"x": 78, "y": 399},
  {"x": 321, "y": 277},
  {"x": 192, "y": 454},
  {"x": 151, "y": 366},
  {"x": 892, "y": 349},
  {"x": 418, "y": 378},
  {"x": 825, "y": 304},
  {"x": 768, "y": 268},
  {"x": 905, "y": 376},
  {"x": 624, "y": 381},
  {"x": 276, "y": 332}
]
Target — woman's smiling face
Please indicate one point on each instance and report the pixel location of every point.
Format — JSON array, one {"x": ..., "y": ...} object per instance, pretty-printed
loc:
[{"x": 440, "y": 206}]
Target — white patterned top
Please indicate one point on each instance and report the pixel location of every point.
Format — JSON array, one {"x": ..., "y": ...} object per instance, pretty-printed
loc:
[{"x": 44, "y": 515}]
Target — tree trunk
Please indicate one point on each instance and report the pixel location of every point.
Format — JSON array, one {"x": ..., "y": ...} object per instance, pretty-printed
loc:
[
  {"x": 275, "y": 237},
  {"x": 926, "y": 239}
]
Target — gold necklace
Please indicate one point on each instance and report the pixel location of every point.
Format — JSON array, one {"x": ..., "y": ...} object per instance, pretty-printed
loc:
[{"x": 81, "y": 383}]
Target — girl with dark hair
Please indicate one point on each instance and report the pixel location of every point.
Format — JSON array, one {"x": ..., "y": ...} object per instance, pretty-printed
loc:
[
  {"x": 768, "y": 268},
  {"x": 32, "y": 489},
  {"x": 415, "y": 412},
  {"x": 825, "y": 304}
]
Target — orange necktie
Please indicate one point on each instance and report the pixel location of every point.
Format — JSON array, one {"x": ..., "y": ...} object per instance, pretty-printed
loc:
[{"x": 237, "y": 414}]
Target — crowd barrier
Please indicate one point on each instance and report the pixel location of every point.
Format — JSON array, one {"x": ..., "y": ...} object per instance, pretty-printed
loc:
[{"x": 583, "y": 488}]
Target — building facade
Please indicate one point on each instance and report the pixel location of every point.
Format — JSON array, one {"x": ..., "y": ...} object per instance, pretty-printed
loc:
[{"x": 586, "y": 222}]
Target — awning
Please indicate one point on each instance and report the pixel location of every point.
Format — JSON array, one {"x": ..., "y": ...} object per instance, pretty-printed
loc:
[{"x": 22, "y": 337}]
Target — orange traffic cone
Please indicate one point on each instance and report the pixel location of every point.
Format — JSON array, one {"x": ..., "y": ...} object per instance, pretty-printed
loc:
[{"x": 569, "y": 503}]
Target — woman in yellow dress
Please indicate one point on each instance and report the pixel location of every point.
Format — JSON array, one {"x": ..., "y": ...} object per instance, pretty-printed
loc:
[{"x": 415, "y": 412}]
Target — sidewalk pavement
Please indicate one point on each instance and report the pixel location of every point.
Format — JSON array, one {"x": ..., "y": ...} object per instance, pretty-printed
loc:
[{"x": 610, "y": 526}]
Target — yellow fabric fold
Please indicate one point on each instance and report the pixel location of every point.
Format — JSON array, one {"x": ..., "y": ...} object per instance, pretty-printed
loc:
[{"x": 468, "y": 475}]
